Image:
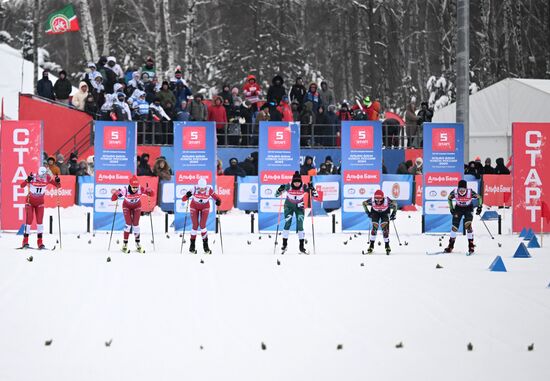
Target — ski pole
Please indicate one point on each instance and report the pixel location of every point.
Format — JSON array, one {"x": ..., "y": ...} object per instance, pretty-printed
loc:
[
  {"x": 312, "y": 223},
  {"x": 278, "y": 222},
  {"x": 184, "y": 226},
  {"x": 150, "y": 217},
  {"x": 220, "y": 227},
  {"x": 486, "y": 227},
  {"x": 396, "y": 233},
  {"x": 113, "y": 225}
]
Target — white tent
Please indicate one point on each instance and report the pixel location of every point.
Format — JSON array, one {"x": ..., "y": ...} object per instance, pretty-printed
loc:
[
  {"x": 17, "y": 76},
  {"x": 494, "y": 109}
]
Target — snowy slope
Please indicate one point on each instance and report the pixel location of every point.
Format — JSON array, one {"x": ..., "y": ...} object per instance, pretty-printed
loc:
[
  {"x": 172, "y": 317},
  {"x": 17, "y": 77}
]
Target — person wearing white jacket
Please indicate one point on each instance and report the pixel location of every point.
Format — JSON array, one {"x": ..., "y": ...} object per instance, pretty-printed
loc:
[{"x": 79, "y": 97}]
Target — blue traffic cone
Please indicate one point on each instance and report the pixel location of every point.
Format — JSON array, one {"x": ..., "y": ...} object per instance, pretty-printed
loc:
[
  {"x": 522, "y": 252},
  {"x": 498, "y": 265}
]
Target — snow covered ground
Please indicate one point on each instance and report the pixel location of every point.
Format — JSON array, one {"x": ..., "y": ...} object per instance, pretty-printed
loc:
[{"x": 170, "y": 316}]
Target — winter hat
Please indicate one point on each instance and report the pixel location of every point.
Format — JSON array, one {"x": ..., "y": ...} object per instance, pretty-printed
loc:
[
  {"x": 111, "y": 58},
  {"x": 120, "y": 95},
  {"x": 73, "y": 156},
  {"x": 328, "y": 158},
  {"x": 165, "y": 83},
  {"x": 462, "y": 184},
  {"x": 117, "y": 87},
  {"x": 91, "y": 64},
  {"x": 178, "y": 70},
  {"x": 419, "y": 161},
  {"x": 296, "y": 177},
  {"x": 60, "y": 158},
  {"x": 90, "y": 159}
]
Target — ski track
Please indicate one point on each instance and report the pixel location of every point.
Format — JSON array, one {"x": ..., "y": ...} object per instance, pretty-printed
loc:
[{"x": 161, "y": 307}]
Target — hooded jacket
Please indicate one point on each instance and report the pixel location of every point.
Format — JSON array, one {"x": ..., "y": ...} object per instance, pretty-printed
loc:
[
  {"x": 307, "y": 166},
  {"x": 252, "y": 92},
  {"x": 163, "y": 173},
  {"x": 79, "y": 98},
  {"x": 234, "y": 169},
  {"x": 62, "y": 87},
  {"x": 501, "y": 169},
  {"x": 276, "y": 91}
]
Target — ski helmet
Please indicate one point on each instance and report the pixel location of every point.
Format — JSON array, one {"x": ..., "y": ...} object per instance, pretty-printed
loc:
[
  {"x": 134, "y": 182},
  {"x": 42, "y": 171},
  {"x": 201, "y": 183},
  {"x": 378, "y": 196}
]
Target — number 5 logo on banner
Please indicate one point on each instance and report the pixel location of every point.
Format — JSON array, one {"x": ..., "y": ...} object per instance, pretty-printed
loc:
[
  {"x": 361, "y": 137},
  {"x": 194, "y": 138},
  {"x": 114, "y": 138},
  {"x": 278, "y": 138},
  {"x": 443, "y": 139}
]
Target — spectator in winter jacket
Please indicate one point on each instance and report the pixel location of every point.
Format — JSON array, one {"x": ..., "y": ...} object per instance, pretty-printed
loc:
[
  {"x": 500, "y": 168},
  {"x": 149, "y": 67},
  {"x": 79, "y": 97},
  {"x": 217, "y": 113},
  {"x": 62, "y": 165},
  {"x": 274, "y": 113},
  {"x": 121, "y": 108},
  {"x": 234, "y": 169},
  {"x": 417, "y": 167},
  {"x": 472, "y": 169},
  {"x": 109, "y": 76},
  {"x": 248, "y": 166},
  {"x": 197, "y": 109},
  {"x": 425, "y": 114},
  {"x": 332, "y": 120},
  {"x": 411, "y": 126},
  {"x": 372, "y": 109},
  {"x": 62, "y": 88},
  {"x": 182, "y": 115},
  {"x": 344, "y": 113},
  {"x": 285, "y": 110},
  {"x": 307, "y": 120},
  {"x": 52, "y": 168},
  {"x": 166, "y": 96},
  {"x": 91, "y": 73},
  {"x": 157, "y": 111},
  {"x": 277, "y": 90},
  {"x": 405, "y": 168},
  {"x": 161, "y": 169},
  {"x": 144, "y": 169},
  {"x": 134, "y": 84},
  {"x": 82, "y": 169},
  {"x": 308, "y": 167},
  {"x": 327, "y": 95},
  {"x": 140, "y": 106},
  {"x": 295, "y": 108},
  {"x": 252, "y": 91},
  {"x": 329, "y": 165},
  {"x": 298, "y": 92},
  {"x": 90, "y": 106},
  {"x": 91, "y": 165},
  {"x": 182, "y": 92},
  {"x": 226, "y": 95},
  {"x": 487, "y": 168},
  {"x": 322, "y": 131},
  {"x": 323, "y": 170},
  {"x": 314, "y": 97},
  {"x": 44, "y": 87},
  {"x": 151, "y": 88},
  {"x": 98, "y": 90},
  {"x": 73, "y": 163},
  {"x": 111, "y": 63},
  {"x": 263, "y": 115}
]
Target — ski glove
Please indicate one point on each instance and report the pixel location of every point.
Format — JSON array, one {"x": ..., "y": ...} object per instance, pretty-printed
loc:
[
  {"x": 392, "y": 216},
  {"x": 29, "y": 178},
  {"x": 281, "y": 189},
  {"x": 452, "y": 210},
  {"x": 120, "y": 195},
  {"x": 188, "y": 194},
  {"x": 218, "y": 202},
  {"x": 478, "y": 210},
  {"x": 57, "y": 179}
]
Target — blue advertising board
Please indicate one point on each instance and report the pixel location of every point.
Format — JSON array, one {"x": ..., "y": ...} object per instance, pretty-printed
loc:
[
  {"x": 443, "y": 168},
  {"x": 361, "y": 170},
  {"x": 194, "y": 158},
  {"x": 279, "y": 158},
  {"x": 115, "y": 146}
]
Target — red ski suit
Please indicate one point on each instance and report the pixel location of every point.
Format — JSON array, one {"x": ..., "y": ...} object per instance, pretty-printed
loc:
[
  {"x": 200, "y": 208},
  {"x": 35, "y": 201},
  {"x": 131, "y": 207}
]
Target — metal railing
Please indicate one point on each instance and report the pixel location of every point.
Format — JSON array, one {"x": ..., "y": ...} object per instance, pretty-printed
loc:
[
  {"x": 246, "y": 135},
  {"x": 79, "y": 142}
]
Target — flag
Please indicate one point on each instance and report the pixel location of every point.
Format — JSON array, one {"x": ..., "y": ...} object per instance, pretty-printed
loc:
[{"x": 62, "y": 21}]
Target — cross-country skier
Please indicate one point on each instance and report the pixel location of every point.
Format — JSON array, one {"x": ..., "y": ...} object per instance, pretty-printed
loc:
[
  {"x": 34, "y": 206},
  {"x": 379, "y": 213},
  {"x": 294, "y": 204},
  {"x": 131, "y": 208},
  {"x": 463, "y": 207},
  {"x": 199, "y": 210}
]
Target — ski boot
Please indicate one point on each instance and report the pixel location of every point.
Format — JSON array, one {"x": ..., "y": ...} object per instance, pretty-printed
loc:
[
  {"x": 25, "y": 244},
  {"x": 284, "y": 247},
  {"x": 40, "y": 244},
  {"x": 140, "y": 248},
  {"x": 192, "y": 249},
  {"x": 388, "y": 248},
  {"x": 371, "y": 247},
  {"x": 205, "y": 246},
  {"x": 471, "y": 247},
  {"x": 451, "y": 246},
  {"x": 125, "y": 248},
  {"x": 302, "y": 247}
]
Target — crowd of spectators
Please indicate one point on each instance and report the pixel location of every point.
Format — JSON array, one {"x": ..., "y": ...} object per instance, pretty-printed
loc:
[{"x": 107, "y": 92}]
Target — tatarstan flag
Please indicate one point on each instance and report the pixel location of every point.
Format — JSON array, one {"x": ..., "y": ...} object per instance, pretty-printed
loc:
[{"x": 62, "y": 21}]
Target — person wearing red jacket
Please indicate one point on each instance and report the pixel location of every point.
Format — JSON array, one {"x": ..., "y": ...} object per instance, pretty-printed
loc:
[
  {"x": 252, "y": 92},
  {"x": 285, "y": 110},
  {"x": 131, "y": 208},
  {"x": 218, "y": 114},
  {"x": 34, "y": 206},
  {"x": 200, "y": 197}
]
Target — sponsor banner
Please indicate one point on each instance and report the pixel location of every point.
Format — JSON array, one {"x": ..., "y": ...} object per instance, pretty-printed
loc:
[
  {"x": 115, "y": 148},
  {"x": 497, "y": 190},
  {"x": 247, "y": 193},
  {"x": 279, "y": 158},
  {"x": 361, "y": 147},
  {"x": 65, "y": 194},
  {"x": 329, "y": 185},
  {"x": 20, "y": 154},
  {"x": 418, "y": 189},
  {"x": 85, "y": 190},
  {"x": 194, "y": 158},
  {"x": 531, "y": 176},
  {"x": 442, "y": 169},
  {"x": 398, "y": 188},
  {"x": 226, "y": 187}
]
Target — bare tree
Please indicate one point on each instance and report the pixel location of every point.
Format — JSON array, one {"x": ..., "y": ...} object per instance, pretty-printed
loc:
[
  {"x": 105, "y": 29},
  {"x": 88, "y": 25},
  {"x": 170, "y": 46}
]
